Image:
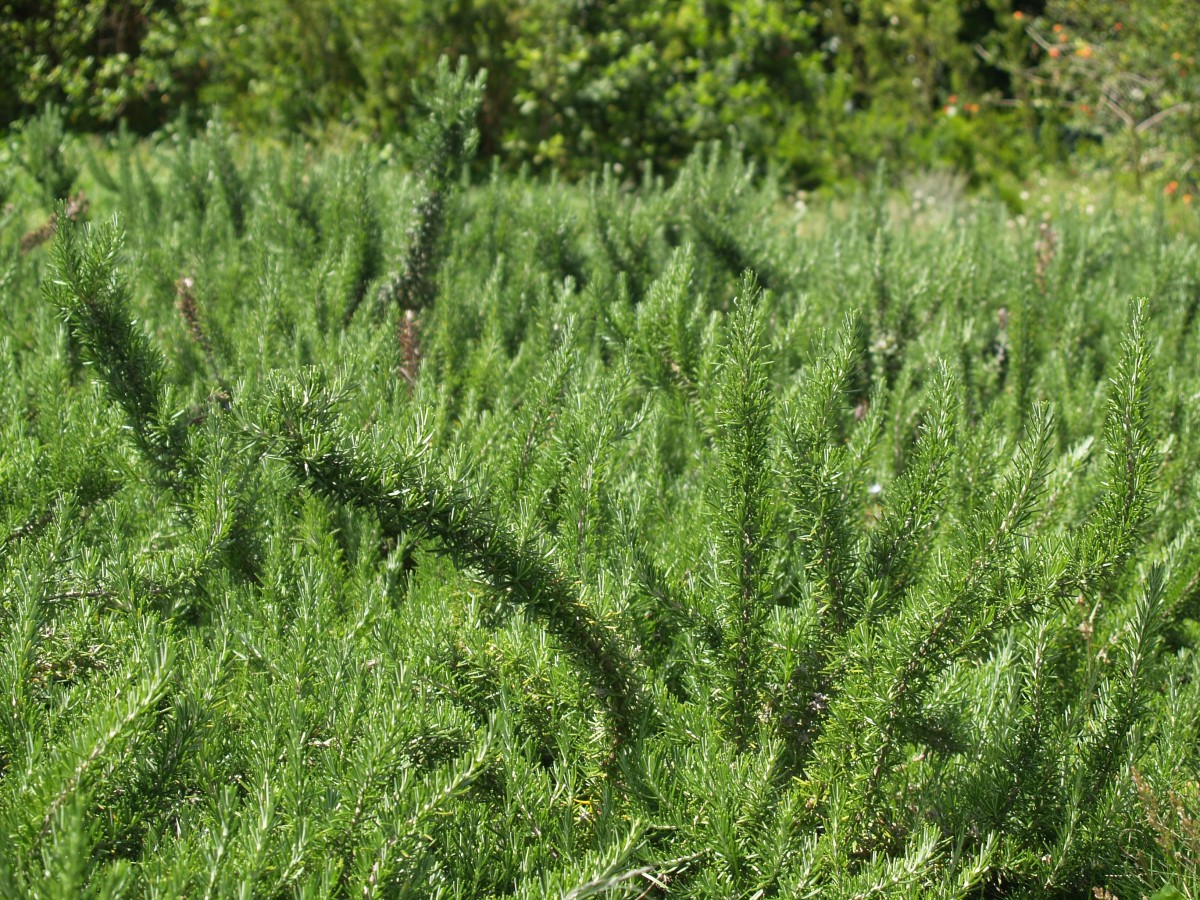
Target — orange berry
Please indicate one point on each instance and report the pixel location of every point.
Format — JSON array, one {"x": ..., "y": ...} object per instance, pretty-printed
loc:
[
  {"x": 1057, "y": 28},
  {"x": 1171, "y": 188},
  {"x": 1085, "y": 51},
  {"x": 1018, "y": 15},
  {"x": 1054, "y": 53}
]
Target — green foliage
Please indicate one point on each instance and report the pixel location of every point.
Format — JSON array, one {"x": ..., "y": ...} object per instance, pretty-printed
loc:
[
  {"x": 742, "y": 528},
  {"x": 407, "y": 498},
  {"x": 646, "y": 578},
  {"x": 92, "y": 297},
  {"x": 1123, "y": 76},
  {"x": 45, "y": 157},
  {"x": 104, "y": 60},
  {"x": 444, "y": 141},
  {"x": 818, "y": 92}
]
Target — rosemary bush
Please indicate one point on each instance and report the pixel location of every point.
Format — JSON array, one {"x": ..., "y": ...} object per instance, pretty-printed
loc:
[{"x": 683, "y": 549}]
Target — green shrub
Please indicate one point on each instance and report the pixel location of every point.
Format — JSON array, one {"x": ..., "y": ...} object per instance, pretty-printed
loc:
[
  {"x": 868, "y": 571},
  {"x": 573, "y": 85},
  {"x": 821, "y": 93},
  {"x": 1121, "y": 78},
  {"x": 103, "y": 60},
  {"x": 45, "y": 157}
]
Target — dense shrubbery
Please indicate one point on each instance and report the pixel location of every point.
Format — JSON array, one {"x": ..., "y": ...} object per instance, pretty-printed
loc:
[
  {"x": 1122, "y": 78},
  {"x": 822, "y": 90},
  {"x": 366, "y": 535},
  {"x": 104, "y": 60}
]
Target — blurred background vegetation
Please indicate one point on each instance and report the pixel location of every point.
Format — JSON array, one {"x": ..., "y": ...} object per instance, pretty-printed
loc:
[{"x": 820, "y": 90}]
